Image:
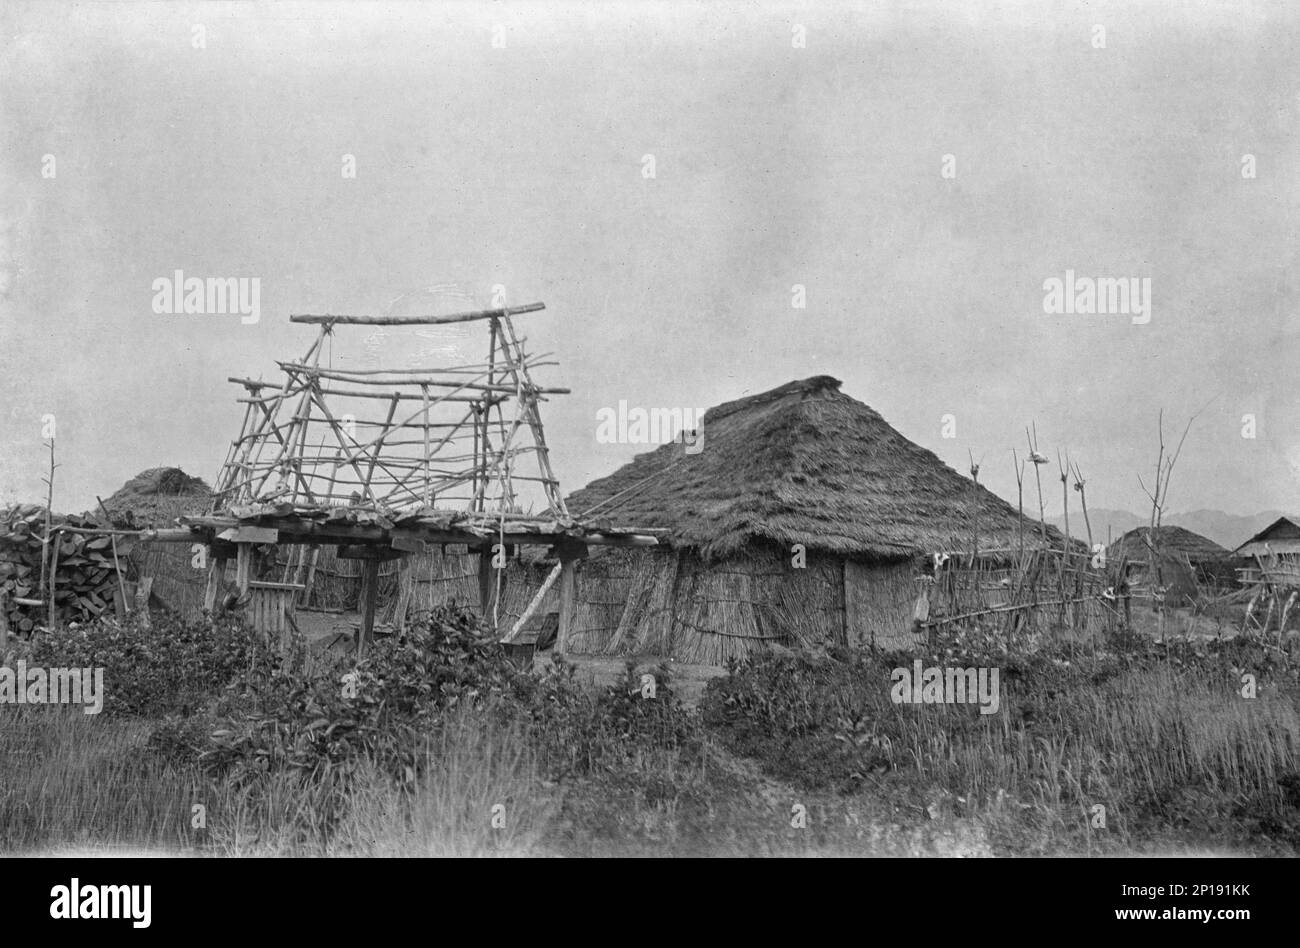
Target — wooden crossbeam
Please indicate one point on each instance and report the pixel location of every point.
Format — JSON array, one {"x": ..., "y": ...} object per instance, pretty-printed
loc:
[{"x": 331, "y": 320}]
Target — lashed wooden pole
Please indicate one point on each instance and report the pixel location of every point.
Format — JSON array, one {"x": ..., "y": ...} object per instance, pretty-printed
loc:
[{"x": 117, "y": 566}]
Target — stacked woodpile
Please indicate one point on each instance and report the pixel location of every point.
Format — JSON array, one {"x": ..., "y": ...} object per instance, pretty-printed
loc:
[{"x": 84, "y": 578}]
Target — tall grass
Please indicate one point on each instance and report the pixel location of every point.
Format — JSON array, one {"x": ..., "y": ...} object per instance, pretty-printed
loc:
[
  {"x": 479, "y": 794},
  {"x": 1147, "y": 732},
  {"x": 77, "y": 780},
  {"x": 69, "y": 778},
  {"x": 1161, "y": 749}
]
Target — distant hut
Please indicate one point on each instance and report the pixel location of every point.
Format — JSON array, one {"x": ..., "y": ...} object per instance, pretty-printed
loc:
[
  {"x": 155, "y": 498},
  {"x": 1280, "y": 538},
  {"x": 802, "y": 467},
  {"x": 1188, "y": 561}
]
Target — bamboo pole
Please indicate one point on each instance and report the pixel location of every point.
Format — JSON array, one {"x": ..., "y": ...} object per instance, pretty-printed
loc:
[
  {"x": 344, "y": 393},
  {"x": 54, "y": 581},
  {"x": 428, "y": 454},
  {"x": 49, "y": 510},
  {"x": 117, "y": 567},
  {"x": 337, "y": 375},
  {"x": 331, "y": 320}
]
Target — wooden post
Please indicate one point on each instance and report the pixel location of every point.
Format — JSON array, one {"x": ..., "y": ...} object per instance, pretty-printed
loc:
[
  {"x": 311, "y": 576},
  {"x": 216, "y": 575},
  {"x": 487, "y": 585},
  {"x": 124, "y": 607},
  {"x": 142, "y": 592},
  {"x": 54, "y": 578},
  {"x": 568, "y": 601},
  {"x": 405, "y": 582},
  {"x": 244, "y": 567},
  {"x": 369, "y": 595}
]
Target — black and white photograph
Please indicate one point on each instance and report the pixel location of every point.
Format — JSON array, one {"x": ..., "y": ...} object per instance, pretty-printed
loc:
[{"x": 650, "y": 429}]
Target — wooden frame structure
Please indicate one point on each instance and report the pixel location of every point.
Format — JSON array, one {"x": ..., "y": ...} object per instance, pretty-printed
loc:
[
  {"x": 454, "y": 437},
  {"x": 384, "y": 463}
]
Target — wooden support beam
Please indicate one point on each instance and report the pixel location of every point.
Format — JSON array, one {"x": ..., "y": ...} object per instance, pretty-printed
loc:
[
  {"x": 303, "y": 531},
  {"x": 329, "y": 320},
  {"x": 244, "y": 567},
  {"x": 568, "y": 604},
  {"x": 347, "y": 393},
  {"x": 405, "y": 584},
  {"x": 143, "y": 590},
  {"x": 551, "y": 577},
  {"x": 357, "y": 551},
  {"x": 408, "y": 543},
  {"x": 369, "y": 597},
  {"x": 570, "y": 553},
  {"x": 311, "y": 575},
  {"x": 216, "y": 576},
  {"x": 340, "y": 375},
  {"x": 487, "y": 585}
]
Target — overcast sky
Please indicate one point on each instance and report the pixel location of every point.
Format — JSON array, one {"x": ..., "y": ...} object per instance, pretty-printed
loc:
[{"x": 775, "y": 164}]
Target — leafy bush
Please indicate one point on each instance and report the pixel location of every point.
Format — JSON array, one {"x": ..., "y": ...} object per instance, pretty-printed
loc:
[
  {"x": 581, "y": 732},
  {"x": 810, "y": 718},
  {"x": 279, "y": 718},
  {"x": 172, "y": 665}
]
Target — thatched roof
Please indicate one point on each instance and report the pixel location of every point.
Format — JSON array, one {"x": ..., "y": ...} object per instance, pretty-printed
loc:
[
  {"x": 1170, "y": 541},
  {"x": 803, "y": 463},
  {"x": 158, "y": 496}
]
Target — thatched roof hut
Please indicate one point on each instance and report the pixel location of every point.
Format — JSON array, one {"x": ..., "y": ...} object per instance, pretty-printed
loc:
[
  {"x": 1178, "y": 541},
  {"x": 803, "y": 463},
  {"x": 155, "y": 498},
  {"x": 1187, "y": 560},
  {"x": 803, "y": 519}
]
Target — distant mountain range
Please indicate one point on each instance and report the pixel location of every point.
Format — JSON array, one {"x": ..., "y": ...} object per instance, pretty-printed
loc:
[{"x": 1227, "y": 530}]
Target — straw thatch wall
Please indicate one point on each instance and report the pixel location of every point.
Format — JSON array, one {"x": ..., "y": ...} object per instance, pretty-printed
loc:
[
  {"x": 672, "y": 603},
  {"x": 440, "y": 576},
  {"x": 879, "y": 600}
]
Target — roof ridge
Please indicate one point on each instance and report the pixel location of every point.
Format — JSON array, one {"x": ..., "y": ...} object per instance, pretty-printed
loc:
[{"x": 810, "y": 386}]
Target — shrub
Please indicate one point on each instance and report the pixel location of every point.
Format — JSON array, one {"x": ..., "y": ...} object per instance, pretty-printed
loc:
[
  {"x": 171, "y": 665},
  {"x": 380, "y": 709}
]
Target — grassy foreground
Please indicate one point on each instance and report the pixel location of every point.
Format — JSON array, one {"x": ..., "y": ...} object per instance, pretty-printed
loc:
[{"x": 438, "y": 746}]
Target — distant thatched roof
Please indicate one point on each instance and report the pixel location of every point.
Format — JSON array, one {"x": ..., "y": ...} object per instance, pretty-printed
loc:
[
  {"x": 1171, "y": 541},
  {"x": 158, "y": 496},
  {"x": 803, "y": 463}
]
